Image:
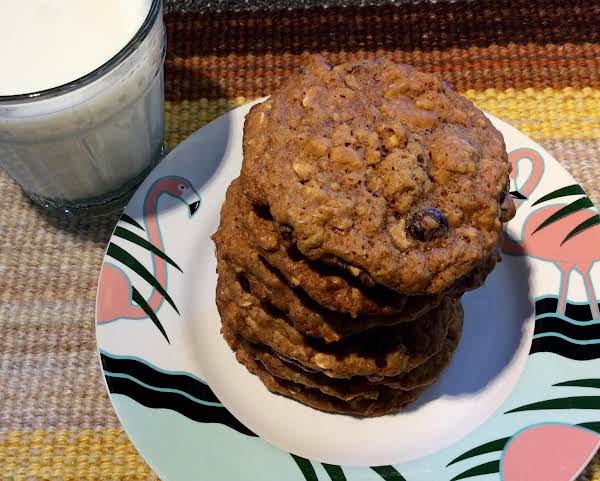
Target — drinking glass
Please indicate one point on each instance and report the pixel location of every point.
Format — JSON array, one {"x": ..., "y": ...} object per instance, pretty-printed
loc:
[{"x": 84, "y": 146}]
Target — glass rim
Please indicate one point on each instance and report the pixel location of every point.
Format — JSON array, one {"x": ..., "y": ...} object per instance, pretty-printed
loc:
[{"x": 106, "y": 67}]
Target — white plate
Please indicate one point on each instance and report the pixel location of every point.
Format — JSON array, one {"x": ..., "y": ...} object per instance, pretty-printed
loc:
[{"x": 515, "y": 346}]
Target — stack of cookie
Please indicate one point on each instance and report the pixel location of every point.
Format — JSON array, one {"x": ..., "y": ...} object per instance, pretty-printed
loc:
[{"x": 371, "y": 198}]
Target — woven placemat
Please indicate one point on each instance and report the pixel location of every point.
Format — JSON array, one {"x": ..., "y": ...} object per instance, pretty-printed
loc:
[{"x": 533, "y": 63}]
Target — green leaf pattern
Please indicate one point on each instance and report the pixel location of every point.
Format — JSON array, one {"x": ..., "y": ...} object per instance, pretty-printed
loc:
[
  {"x": 570, "y": 402},
  {"x": 121, "y": 255},
  {"x": 574, "y": 189},
  {"x": 575, "y": 206},
  {"x": 485, "y": 468}
]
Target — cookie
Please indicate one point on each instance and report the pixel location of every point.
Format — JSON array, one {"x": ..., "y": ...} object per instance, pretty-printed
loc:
[
  {"x": 380, "y": 169},
  {"x": 359, "y": 387},
  {"x": 429, "y": 372},
  {"x": 379, "y": 352},
  {"x": 389, "y": 401},
  {"x": 334, "y": 289},
  {"x": 233, "y": 247},
  {"x": 326, "y": 285},
  {"x": 344, "y": 389}
]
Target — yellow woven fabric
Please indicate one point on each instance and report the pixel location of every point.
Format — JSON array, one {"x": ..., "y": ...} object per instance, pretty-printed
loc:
[
  {"x": 69, "y": 455},
  {"x": 533, "y": 63}
]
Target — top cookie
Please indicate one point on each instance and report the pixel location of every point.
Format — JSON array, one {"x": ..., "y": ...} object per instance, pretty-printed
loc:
[{"x": 381, "y": 169}]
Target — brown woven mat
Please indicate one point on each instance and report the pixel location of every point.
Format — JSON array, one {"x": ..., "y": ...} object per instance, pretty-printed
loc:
[{"x": 534, "y": 63}]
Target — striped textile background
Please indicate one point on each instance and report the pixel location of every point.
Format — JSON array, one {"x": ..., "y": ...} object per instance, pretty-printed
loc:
[{"x": 533, "y": 63}]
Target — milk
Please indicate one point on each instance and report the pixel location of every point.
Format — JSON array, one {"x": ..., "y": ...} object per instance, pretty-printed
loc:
[
  {"x": 47, "y": 43},
  {"x": 90, "y": 141}
]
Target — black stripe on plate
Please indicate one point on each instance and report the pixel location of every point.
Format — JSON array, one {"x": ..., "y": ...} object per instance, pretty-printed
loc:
[
  {"x": 566, "y": 349},
  {"x": 151, "y": 376},
  {"x": 175, "y": 402},
  {"x": 574, "y": 331},
  {"x": 578, "y": 312}
]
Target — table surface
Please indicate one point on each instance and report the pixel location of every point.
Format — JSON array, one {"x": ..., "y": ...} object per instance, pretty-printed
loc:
[{"x": 534, "y": 63}]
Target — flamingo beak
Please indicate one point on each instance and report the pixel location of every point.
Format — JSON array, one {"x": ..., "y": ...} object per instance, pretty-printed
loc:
[
  {"x": 517, "y": 195},
  {"x": 194, "y": 206}
]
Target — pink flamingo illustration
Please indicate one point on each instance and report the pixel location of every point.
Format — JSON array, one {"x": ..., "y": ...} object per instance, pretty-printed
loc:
[
  {"x": 114, "y": 287},
  {"x": 537, "y": 164},
  {"x": 548, "y": 452},
  {"x": 552, "y": 242}
]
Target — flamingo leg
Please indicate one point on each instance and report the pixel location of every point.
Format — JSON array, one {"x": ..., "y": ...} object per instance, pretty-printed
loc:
[
  {"x": 591, "y": 295},
  {"x": 565, "y": 273}
]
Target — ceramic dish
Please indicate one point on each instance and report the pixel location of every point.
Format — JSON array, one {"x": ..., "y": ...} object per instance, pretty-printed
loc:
[{"x": 520, "y": 400}]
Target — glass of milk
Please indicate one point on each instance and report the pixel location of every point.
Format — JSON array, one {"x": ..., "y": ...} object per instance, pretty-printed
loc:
[{"x": 81, "y": 99}]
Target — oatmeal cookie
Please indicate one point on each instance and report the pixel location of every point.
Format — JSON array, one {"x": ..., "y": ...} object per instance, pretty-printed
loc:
[
  {"x": 380, "y": 169},
  {"x": 389, "y": 401},
  {"x": 305, "y": 313},
  {"x": 357, "y": 386},
  {"x": 379, "y": 352},
  {"x": 333, "y": 288}
]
